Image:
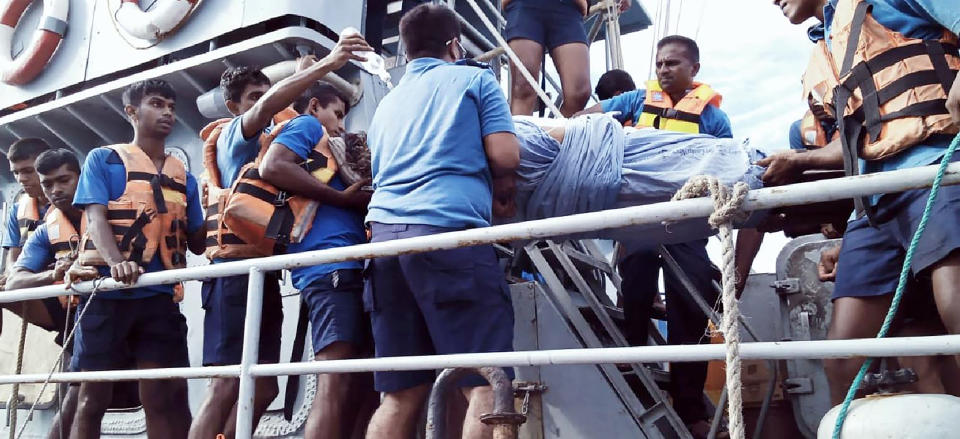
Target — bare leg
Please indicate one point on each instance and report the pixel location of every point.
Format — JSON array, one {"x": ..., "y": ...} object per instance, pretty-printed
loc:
[
  {"x": 64, "y": 419},
  {"x": 397, "y": 416},
  {"x": 572, "y": 61},
  {"x": 329, "y": 413},
  {"x": 523, "y": 98},
  {"x": 33, "y": 311},
  {"x": 92, "y": 403},
  {"x": 945, "y": 276},
  {"x": 215, "y": 410},
  {"x": 928, "y": 369},
  {"x": 853, "y": 317},
  {"x": 480, "y": 402},
  {"x": 264, "y": 394},
  {"x": 165, "y": 405}
]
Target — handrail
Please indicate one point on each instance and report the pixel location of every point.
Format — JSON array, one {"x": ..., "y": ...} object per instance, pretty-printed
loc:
[
  {"x": 657, "y": 213},
  {"x": 788, "y": 350}
]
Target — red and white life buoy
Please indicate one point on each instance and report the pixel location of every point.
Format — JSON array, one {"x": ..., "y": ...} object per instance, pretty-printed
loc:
[
  {"x": 156, "y": 23},
  {"x": 46, "y": 39}
]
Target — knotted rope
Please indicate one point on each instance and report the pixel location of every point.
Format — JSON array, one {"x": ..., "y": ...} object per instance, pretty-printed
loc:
[{"x": 726, "y": 210}]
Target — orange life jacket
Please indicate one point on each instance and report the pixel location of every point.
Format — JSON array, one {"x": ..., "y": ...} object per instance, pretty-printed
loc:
[
  {"x": 149, "y": 216},
  {"x": 660, "y": 112},
  {"x": 265, "y": 216},
  {"x": 220, "y": 241},
  {"x": 63, "y": 236},
  {"x": 893, "y": 89},
  {"x": 28, "y": 216},
  {"x": 820, "y": 78},
  {"x": 812, "y": 131}
]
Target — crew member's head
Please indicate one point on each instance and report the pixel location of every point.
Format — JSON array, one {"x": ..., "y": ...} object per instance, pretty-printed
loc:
[
  {"x": 151, "y": 106},
  {"x": 22, "y": 155},
  {"x": 678, "y": 61},
  {"x": 613, "y": 83},
  {"x": 242, "y": 87},
  {"x": 59, "y": 171},
  {"x": 798, "y": 11},
  {"x": 325, "y": 103},
  {"x": 431, "y": 31}
]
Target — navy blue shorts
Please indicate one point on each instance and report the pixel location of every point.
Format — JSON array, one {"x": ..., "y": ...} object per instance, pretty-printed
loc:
[
  {"x": 551, "y": 27},
  {"x": 115, "y": 333},
  {"x": 871, "y": 257},
  {"x": 335, "y": 306},
  {"x": 60, "y": 323},
  {"x": 441, "y": 302},
  {"x": 225, "y": 307}
]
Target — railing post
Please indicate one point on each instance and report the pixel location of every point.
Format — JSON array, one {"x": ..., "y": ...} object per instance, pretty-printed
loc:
[{"x": 251, "y": 352}]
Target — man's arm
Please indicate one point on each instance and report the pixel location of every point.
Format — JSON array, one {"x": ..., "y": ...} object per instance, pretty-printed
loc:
[
  {"x": 21, "y": 277},
  {"x": 953, "y": 102},
  {"x": 280, "y": 167},
  {"x": 12, "y": 254},
  {"x": 785, "y": 167},
  {"x": 503, "y": 156},
  {"x": 101, "y": 234},
  {"x": 596, "y": 108},
  {"x": 283, "y": 93}
]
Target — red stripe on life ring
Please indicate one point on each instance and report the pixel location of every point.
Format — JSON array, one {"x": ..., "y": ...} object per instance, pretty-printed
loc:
[
  {"x": 14, "y": 11},
  {"x": 33, "y": 59}
]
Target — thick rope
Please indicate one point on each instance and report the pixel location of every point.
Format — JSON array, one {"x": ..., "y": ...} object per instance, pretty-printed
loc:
[
  {"x": 726, "y": 210},
  {"x": 14, "y": 403},
  {"x": 63, "y": 349},
  {"x": 901, "y": 285}
]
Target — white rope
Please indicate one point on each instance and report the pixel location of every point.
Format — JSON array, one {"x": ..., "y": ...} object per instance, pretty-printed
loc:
[
  {"x": 14, "y": 402},
  {"x": 726, "y": 203},
  {"x": 516, "y": 60},
  {"x": 66, "y": 342}
]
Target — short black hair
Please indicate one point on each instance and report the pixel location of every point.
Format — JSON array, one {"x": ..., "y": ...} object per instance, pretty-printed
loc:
[
  {"x": 55, "y": 158},
  {"x": 693, "y": 51},
  {"x": 325, "y": 95},
  {"x": 134, "y": 93},
  {"x": 236, "y": 79},
  {"x": 427, "y": 28},
  {"x": 26, "y": 149},
  {"x": 613, "y": 82}
]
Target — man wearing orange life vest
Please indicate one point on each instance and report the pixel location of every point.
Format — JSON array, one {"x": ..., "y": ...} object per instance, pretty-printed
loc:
[
  {"x": 330, "y": 292},
  {"x": 27, "y": 211},
  {"x": 229, "y": 145},
  {"x": 47, "y": 255},
  {"x": 888, "y": 121},
  {"x": 141, "y": 213},
  {"x": 673, "y": 102}
]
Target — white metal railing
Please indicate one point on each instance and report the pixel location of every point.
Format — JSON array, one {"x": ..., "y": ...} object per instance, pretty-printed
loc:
[{"x": 760, "y": 199}]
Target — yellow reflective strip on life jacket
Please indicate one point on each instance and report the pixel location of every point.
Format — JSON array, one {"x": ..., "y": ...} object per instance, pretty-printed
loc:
[
  {"x": 679, "y": 126},
  {"x": 172, "y": 196},
  {"x": 323, "y": 174}
]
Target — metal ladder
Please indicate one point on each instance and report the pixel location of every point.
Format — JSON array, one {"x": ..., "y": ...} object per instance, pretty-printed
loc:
[{"x": 590, "y": 314}]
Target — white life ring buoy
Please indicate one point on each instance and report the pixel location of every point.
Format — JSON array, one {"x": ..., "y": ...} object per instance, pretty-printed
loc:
[
  {"x": 156, "y": 23},
  {"x": 46, "y": 39}
]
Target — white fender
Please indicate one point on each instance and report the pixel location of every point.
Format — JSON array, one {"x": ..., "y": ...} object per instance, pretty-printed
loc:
[{"x": 908, "y": 416}]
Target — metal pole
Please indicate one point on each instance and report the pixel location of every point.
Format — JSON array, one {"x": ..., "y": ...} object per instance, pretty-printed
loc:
[
  {"x": 504, "y": 418},
  {"x": 611, "y": 16},
  {"x": 251, "y": 348},
  {"x": 656, "y": 213}
]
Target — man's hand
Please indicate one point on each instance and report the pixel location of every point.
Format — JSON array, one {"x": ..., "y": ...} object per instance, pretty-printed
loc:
[
  {"x": 343, "y": 52},
  {"x": 126, "y": 272},
  {"x": 304, "y": 62},
  {"x": 505, "y": 197},
  {"x": 953, "y": 102},
  {"x": 624, "y": 5},
  {"x": 827, "y": 268},
  {"x": 61, "y": 267},
  {"x": 79, "y": 273},
  {"x": 782, "y": 168},
  {"x": 356, "y": 198}
]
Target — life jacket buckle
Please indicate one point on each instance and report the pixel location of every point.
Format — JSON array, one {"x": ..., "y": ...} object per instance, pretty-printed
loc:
[{"x": 281, "y": 199}]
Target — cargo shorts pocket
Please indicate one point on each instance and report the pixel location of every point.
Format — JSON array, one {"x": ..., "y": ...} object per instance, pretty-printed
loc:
[
  {"x": 95, "y": 335},
  {"x": 369, "y": 302},
  {"x": 448, "y": 276}
]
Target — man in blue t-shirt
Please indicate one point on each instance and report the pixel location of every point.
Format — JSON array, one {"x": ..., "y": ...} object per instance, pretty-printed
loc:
[
  {"x": 331, "y": 292},
  {"x": 143, "y": 325},
  {"x": 58, "y": 171},
  {"x": 249, "y": 96},
  {"x": 678, "y": 61},
  {"x": 444, "y": 156},
  {"x": 21, "y": 156},
  {"x": 873, "y": 249}
]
